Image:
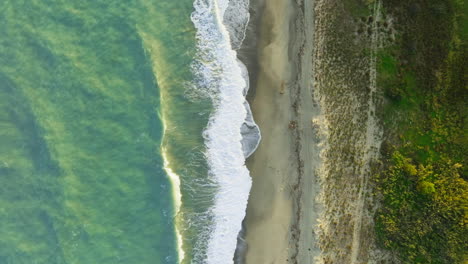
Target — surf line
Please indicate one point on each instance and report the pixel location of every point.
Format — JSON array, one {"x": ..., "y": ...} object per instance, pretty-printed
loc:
[{"x": 177, "y": 198}]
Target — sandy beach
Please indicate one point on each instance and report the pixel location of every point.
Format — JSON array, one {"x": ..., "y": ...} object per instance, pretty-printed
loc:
[
  {"x": 313, "y": 96},
  {"x": 278, "y": 230}
]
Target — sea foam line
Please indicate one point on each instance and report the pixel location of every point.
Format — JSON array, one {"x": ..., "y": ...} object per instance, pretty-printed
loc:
[
  {"x": 177, "y": 198},
  {"x": 222, "y": 78},
  {"x": 150, "y": 45}
]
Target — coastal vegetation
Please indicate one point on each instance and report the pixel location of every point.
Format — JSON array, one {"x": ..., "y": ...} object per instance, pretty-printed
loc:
[{"x": 423, "y": 185}]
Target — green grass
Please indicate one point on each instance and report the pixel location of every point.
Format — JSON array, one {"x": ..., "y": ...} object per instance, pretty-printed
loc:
[
  {"x": 424, "y": 189},
  {"x": 359, "y": 8}
]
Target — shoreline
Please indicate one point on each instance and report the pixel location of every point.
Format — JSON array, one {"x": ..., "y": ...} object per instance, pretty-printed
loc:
[{"x": 276, "y": 228}]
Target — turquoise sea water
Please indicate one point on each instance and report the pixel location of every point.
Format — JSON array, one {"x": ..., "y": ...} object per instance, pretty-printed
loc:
[
  {"x": 81, "y": 171},
  {"x": 120, "y": 132}
]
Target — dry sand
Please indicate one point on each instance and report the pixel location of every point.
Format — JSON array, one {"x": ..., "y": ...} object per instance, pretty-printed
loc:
[{"x": 278, "y": 230}]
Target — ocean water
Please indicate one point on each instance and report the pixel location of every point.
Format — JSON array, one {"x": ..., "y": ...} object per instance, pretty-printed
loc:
[{"x": 123, "y": 131}]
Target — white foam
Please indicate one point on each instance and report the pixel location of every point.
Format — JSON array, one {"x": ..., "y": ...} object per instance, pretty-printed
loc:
[
  {"x": 221, "y": 77},
  {"x": 177, "y": 198}
]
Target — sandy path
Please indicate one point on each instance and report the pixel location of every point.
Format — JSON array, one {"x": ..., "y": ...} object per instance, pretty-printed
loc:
[{"x": 373, "y": 137}]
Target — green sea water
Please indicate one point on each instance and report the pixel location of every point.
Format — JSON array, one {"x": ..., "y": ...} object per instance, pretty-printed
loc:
[{"x": 90, "y": 92}]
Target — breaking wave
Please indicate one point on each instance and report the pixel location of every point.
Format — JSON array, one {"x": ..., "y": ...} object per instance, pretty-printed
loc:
[{"x": 231, "y": 134}]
